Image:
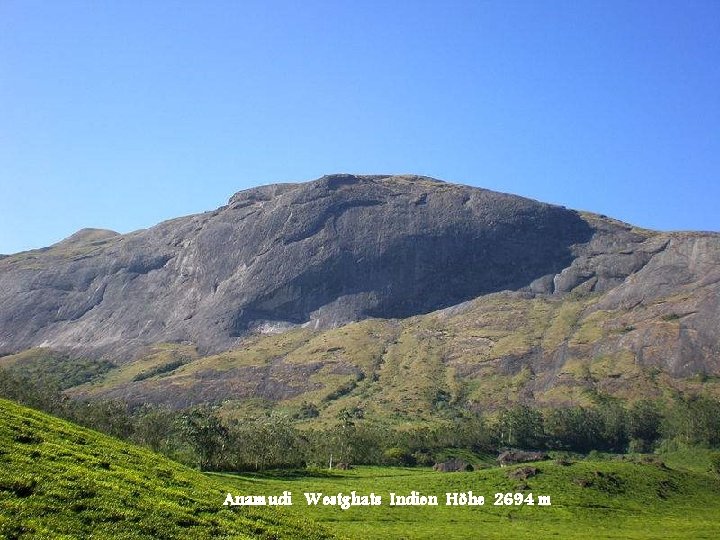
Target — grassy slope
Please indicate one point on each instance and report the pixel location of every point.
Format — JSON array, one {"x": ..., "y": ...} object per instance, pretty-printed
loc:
[
  {"x": 491, "y": 352},
  {"x": 619, "y": 500},
  {"x": 80, "y": 245},
  {"x": 55, "y": 368},
  {"x": 58, "y": 480}
]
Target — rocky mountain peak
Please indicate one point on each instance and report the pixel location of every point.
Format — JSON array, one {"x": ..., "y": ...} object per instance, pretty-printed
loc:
[{"x": 87, "y": 235}]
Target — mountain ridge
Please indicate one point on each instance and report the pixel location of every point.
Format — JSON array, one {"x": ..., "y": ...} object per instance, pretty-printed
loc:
[
  {"x": 290, "y": 225},
  {"x": 307, "y": 258}
]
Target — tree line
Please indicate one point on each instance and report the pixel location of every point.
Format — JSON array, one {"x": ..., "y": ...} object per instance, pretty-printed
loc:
[{"x": 205, "y": 438}]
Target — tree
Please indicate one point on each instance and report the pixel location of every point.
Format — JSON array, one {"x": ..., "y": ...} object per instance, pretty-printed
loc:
[
  {"x": 345, "y": 431},
  {"x": 154, "y": 427},
  {"x": 644, "y": 420},
  {"x": 574, "y": 428},
  {"x": 521, "y": 426},
  {"x": 614, "y": 435},
  {"x": 694, "y": 420},
  {"x": 206, "y": 434},
  {"x": 110, "y": 417}
]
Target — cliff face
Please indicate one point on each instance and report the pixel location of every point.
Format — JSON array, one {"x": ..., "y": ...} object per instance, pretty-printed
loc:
[{"x": 334, "y": 250}]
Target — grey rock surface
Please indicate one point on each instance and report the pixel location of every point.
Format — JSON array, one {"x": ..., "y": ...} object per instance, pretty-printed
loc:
[{"x": 323, "y": 253}]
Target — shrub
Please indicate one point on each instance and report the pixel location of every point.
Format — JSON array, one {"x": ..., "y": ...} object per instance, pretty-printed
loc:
[
  {"x": 158, "y": 370},
  {"x": 715, "y": 462},
  {"x": 399, "y": 456},
  {"x": 639, "y": 446}
]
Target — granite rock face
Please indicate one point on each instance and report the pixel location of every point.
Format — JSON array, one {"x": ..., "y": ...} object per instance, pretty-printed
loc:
[{"x": 323, "y": 253}]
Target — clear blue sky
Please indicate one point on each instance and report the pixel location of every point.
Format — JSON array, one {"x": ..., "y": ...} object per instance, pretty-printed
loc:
[{"x": 119, "y": 114}]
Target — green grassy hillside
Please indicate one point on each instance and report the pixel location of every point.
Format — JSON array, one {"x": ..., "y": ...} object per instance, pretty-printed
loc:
[
  {"x": 589, "y": 499},
  {"x": 58, "y": 480}
]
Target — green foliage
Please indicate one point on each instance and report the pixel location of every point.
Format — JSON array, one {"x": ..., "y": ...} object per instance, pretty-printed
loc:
[
  {"x": 693, "y": 420},
  {"x": 575, "y": 428},
  {"x": 207, "y": 436},
  {"x": 94, "y": 483},
  {"x": 341, "y": 391},
  {"x": 307, "y": 410},
  {"x": 614, "y": 431},
  {"x": 521, "y": 427},
  {"x": 399, "y": 456},
  {"x": 63, "y": 481},
  {"x": 639, "y": 446},
  {"x": 19, "y": 387},
  {"x": 263, "y": 443},
  {"x": 111, "y": 417},
  {"x": 55, "y": 369},
  {"x": 270, "y": 440},
  {"x": 644, "y": 419},
  {"x": 159, "y": 370},
  {"x": 156, "y": 428},
  {"x": 715, "y": 463}
]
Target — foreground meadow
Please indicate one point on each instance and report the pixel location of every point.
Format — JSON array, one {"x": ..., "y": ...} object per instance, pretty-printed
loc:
[{"x": 599, "y": 499}]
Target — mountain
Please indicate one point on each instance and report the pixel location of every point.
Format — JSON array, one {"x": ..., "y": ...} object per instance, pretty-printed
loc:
[{"x": 382, "y": 283}]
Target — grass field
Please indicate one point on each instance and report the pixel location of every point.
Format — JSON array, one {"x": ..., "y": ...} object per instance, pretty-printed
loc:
[{"x": 589, "y": 499}]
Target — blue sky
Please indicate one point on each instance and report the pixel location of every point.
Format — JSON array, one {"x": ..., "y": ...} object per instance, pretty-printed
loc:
[{"x": 119, "y": 114}]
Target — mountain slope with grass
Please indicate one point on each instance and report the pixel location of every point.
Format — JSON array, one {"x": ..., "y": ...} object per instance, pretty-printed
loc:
[
  {"x": 58, "y": 480},
  {"x": 484, "y": 355}
]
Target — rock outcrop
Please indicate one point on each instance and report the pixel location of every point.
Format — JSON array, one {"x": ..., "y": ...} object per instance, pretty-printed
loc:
[
  {"x": 453, "y": 465},
  {"x": 511, "y": 457}
]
